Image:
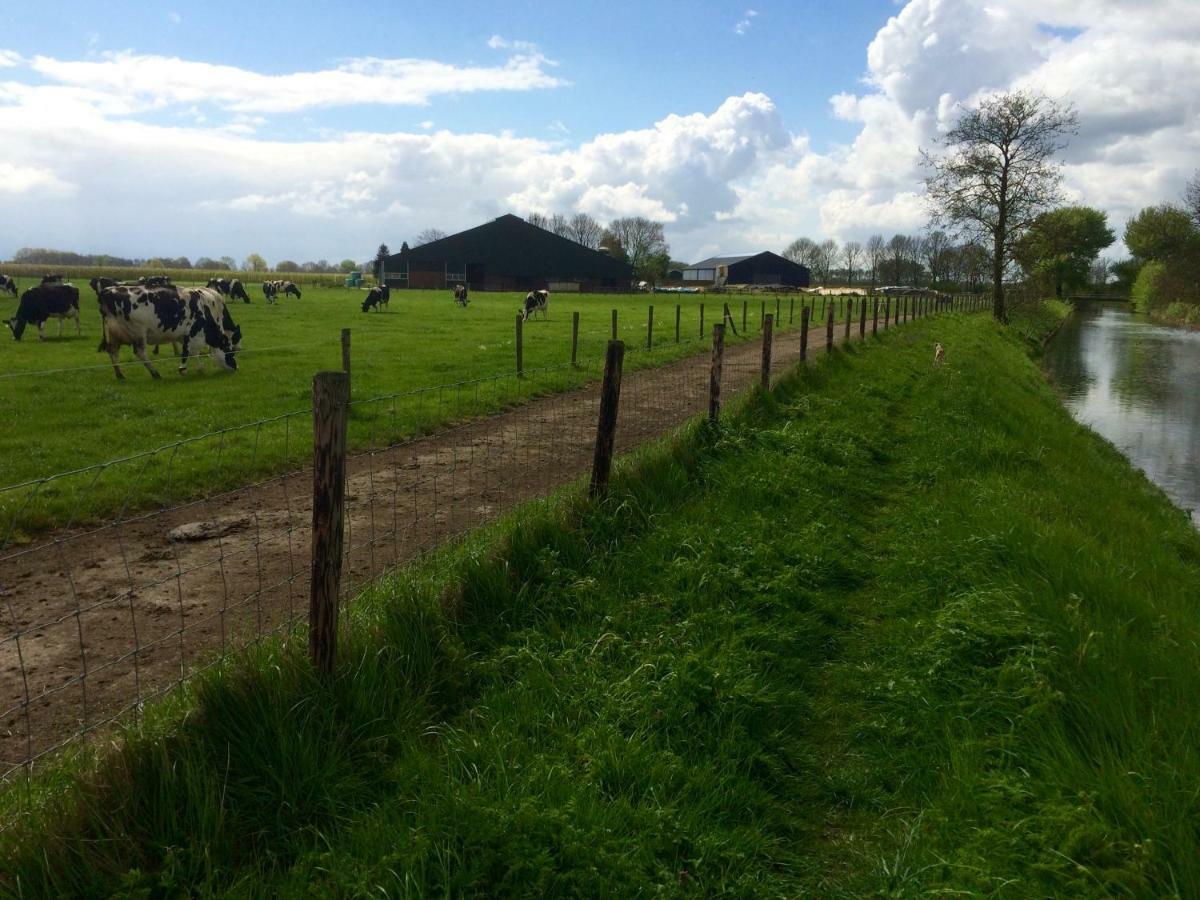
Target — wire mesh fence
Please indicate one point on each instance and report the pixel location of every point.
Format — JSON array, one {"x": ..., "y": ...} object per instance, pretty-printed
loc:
[{"x": 102, "y": 618}]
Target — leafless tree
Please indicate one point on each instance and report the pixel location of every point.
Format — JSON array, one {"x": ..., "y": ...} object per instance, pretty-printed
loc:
[
  {"x": 876, "y": 253},
  {"x": 560, "y": 225},
  {"x": 801, "y": 251},
  {"x": 640, "y": 238},
  {"x": 897, "y": 258},
  {"x": 916, "y": 252},
  {"x": 428, "y": 236},
  {"x": 541, "y": 220},
  {"x": 851, "y": 251},
  {"x": 583, "y": 229},
  {"x": 826, "y": 256},
  {"x": 935, "y": 249},
  {"x": 1191, "y": 197},
  {"x": 998, "y": 173}
]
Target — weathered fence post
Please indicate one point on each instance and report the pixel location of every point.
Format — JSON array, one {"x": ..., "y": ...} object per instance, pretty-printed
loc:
[
  {"x": 875, "y": 316},
  {"x": 520, "y": 346},
  {"x": 331, "y": 402},
  {"x": 778, "y": 318},
  {"x": 678, "y": 313},
  {"x": 791, "y": 310},
  {"x": 614, "y": 324},
  {"x": 862, "y": 319},
  {"x": 887, "y": 312},
  {"x": 745, "y": 313},
  {"x": 606, "y": 428},
  {"x": 762, "y": 314},
  {"x": 650, "y": 329},
  {"x": 701, "y": 321},
  {"x": 574, "y": 338},
  {"x": 803, "y": 333},
  {"x": 767, "y": 341},
  {"x": 849, "y": 317},
  {"x": 714, "y": 373},
  {"x": 346, "y": 350},
  {"x": 829, "y": 330}
]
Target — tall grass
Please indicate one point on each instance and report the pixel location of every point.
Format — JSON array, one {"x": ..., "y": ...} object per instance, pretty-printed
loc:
[{"x": 892, "y": 629}]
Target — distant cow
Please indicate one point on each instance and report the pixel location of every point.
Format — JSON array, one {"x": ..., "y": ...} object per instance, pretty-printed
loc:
[
  {"x": 155, "y": 280},
  {"x": 53, "y": 279},
  {"x": 238, "y": 292},
  {"x": 272, "y": 289},
  {"x": 219, "y": 284},
  {"x": 536, "y": 301},
  {"x": 46, "y": 301},
  {"x": 194, "y": 317},
  {"x": 377, "y": 297},
  {"x": 460, "y": 295},
  {"x": 8, "y": 284}
]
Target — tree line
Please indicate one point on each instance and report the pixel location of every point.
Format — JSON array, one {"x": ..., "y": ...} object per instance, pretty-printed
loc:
[
  {"x": 1163, "y": 272},
  {"x": 252, "y": 263}
]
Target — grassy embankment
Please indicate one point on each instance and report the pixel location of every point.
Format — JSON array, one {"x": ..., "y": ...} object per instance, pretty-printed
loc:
[
  {"x": 84, "y": 416},
  {"x": 895, "y": 629}
]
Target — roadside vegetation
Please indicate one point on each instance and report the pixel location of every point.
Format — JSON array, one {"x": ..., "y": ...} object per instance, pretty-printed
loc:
[{"x": 893, "y": 629}]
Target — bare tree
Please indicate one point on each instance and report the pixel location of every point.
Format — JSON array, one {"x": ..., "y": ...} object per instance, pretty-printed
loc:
[
  {"x": 541, "y": 220},
  {"x": 1191, "y": 197},
  {"x": 641, "y": 239},
  {"x": 999, "y": 173},
  {"x": 875, "y": 255},
  {"x": 851, "y": 251},
  {"x": 583, "y": 229},
  {"x": 801, "y": 251},
  {"x": 897, "y": 258},
  {"x": 935, "y": 250},
  {"x": 827, "y": 254},
  {"x": 559, "y": 225},
  {"x": 916, "y": 252},
  {"x": 428, "y": 236}
]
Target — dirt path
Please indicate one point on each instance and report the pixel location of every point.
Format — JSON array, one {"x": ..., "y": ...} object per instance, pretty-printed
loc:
[{"x": 100, "y": 620}]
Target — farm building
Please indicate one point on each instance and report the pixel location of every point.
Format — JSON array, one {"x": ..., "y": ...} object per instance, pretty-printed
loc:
[
  {"x": 760, "y": 268},
  {"x": 507, "y": 254}
]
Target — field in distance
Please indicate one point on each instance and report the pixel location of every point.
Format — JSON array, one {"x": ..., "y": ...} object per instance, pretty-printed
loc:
[{"x": 76, "y": 413}]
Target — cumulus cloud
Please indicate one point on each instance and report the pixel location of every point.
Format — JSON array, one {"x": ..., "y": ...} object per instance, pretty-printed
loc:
[
  {"x": 9, "y": 59},
  {"x": 743, "y": 24}
]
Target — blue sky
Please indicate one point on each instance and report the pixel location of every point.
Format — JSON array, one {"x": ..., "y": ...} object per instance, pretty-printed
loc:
[{"x": 308, "y": 130}]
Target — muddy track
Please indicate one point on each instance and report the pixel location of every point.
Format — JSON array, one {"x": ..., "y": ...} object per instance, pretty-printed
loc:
[{"x": 99, "y": 620}]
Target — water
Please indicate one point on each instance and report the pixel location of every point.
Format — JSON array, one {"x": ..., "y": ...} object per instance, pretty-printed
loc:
[{"x": 1137, "y": 384}]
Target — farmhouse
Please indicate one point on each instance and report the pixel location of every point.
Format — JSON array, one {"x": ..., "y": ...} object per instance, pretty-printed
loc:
[
  {"x": 506, "y": 254},
  {"x": 761, "y": 268}
]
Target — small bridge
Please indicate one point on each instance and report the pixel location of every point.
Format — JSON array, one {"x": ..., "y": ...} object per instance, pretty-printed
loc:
[{"x": 1098, "y": 297}]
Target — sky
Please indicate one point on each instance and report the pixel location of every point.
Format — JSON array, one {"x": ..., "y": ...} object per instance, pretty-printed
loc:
[{"x": 312, "y": 130}]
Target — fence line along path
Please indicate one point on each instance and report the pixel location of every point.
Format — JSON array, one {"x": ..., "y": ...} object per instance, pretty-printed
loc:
[{"x": 100, "y": 620}]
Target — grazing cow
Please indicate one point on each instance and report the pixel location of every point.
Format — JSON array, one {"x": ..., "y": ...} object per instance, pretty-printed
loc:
[
  {"x": 269, "y": 290},
  {"x": 289, "y": 287},
  {"x": 138, "y": 316},
  {"x": 272, "y": 289},
  {"x": 155, "y": 281},
  {"x": 460, "y": 295},
  {"x": 8, "y": 284},
  {"x": 53, "y": 279},
  {"x": 219, "y": 284},
  {"x": 46, "y": 301},
  {"x": 377, "y": 297},
  {"x": 536, "y": 301},
  {"x": 238, "y": 292}
]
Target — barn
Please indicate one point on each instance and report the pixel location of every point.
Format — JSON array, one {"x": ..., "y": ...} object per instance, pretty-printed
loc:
[
  {"x": 507, "y": 254},
  {"x": 761, "y": 268}
]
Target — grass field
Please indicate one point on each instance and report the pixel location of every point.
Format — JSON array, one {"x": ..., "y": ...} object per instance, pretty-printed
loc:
[
  {"x": 78, "y": 414},
  {"x": 895, "y": 631}
]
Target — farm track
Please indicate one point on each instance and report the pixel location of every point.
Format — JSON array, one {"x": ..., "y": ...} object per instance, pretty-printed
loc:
[{"x": 102, "y": 619}]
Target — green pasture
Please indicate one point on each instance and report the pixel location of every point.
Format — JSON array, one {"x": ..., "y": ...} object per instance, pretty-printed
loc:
[{"x": 64, "y": 409}]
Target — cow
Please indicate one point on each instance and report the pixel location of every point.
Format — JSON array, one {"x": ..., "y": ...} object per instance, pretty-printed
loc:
[
  {"x": 289, "y": 287},
  {"x": 269, "y": 290},
  {"x": 155, "y": 281},
  {"x": 99, "y": 284},
  {"x": 8, "y": 284},
  {"x": 53, "y": 279},
  {"x": 460, "y": 295},
  {"x": 377, "y": 297},
  {"x": 536, "y": 301},
  {"x": 46, "y": 301},
  {"x": 237, "y": 291},
  {"x": 138, "y": 316},
  {"x": 219, "y": 284},
  {"x": 272, "y": 289}
]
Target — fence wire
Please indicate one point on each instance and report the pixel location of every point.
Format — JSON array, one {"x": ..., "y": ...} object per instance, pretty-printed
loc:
[{"x": 102, "y": 618}]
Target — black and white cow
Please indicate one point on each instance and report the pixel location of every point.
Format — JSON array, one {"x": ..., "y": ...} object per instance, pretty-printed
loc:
[
  {"x": 377, "y": 297},
  {"x": 460, "y": 295},
  {"x": 53, "y": 279},
  {"x": 155, "y": 280},
  {"x": 8, "y": 284},
  {"x": 219, "y": 284},
  {"x": 237, "y": 291},
  {"x": 193, "y": 317},
  {"x": 46, "y": 301},
  {"x": 536, "y": 301}
]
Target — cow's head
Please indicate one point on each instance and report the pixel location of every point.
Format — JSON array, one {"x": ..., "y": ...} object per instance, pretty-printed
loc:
[
  {"x": 10, "y": 285},
  {"x": 16, "y": 326}
]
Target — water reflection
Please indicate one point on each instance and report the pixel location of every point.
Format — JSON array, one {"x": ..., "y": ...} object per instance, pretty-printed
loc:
[{"x": 1138, "y": 385}]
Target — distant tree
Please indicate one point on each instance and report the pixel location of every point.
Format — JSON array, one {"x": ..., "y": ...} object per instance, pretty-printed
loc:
[
  {"x": 255, "y": 263},
  {"x": 1159, "y": 232},
  {"x": 229, "y": 262},
  {"x": 541, "y": 220},
  {"x": 347, "y": 265},
  {"x": 936, "y": 250},
  {"x": 560, "y": 225},
  {"x": 611, "y": 244},
  {"x": 1125, "y": 273},
  {"x": 976, "y": 262},
  {"x": 642, "y": 240},
  {"x": 1191, "y": 198},
  {"x": 655, "y": 267},
  {"x": 1098, "y": 273},
  {"x": 876, "y": 253},
  {"x": 824, "y": 258},
  {"x": 851, "y": 252},
  {"x": 999, "y": 173},
  {"x": 404, "y": 248},
  {"x": 583, "y": 229},
  {"x": 287, "y": 265},
  {"x": 429, "y": 235},
  {"x": 802, "y": 251},
  {"x": 897, "y": 258},
  {"x": 1061, "y": 245},
  {"x": 379, "y": 264},
  {"x": 207, "y": 262}
]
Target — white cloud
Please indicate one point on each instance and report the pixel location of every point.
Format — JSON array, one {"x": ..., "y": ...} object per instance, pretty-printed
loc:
[
  {"x": 9, "y": 59},
  {"x": 18, "y": 179},
  {"x": 743, "y": 24}
]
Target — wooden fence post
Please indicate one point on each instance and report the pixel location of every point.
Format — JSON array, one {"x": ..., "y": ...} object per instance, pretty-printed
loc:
[
  {"x": 762, "y": 314},
  {"x": 875, "y": 316},
  {"x": 701, "y": 321},
  {"x": 791, "y": 310},
  {"x": 829, "y": 329},
  {"x": 606, "y": 428},
  {"x": 849, "y": 317},
  {"x": 714, "y": 373},
  {"x": 614, "y": 325},
  {"x": 862, "y": 319},
  {"x": 745, "y": 313},
  {"x": 346, "y": 350},
  {"x": 520, "y": 346},
  {"x": 887, "y": 312},
  {"x": 678, "y": 313},
  {"x": 574, "y": 338},
  {"x": 767, "y": 341},
  {"x": 803, "y": 332},
  {"x": 650, "y": 329},
  {"x": 331, "y": 402}
]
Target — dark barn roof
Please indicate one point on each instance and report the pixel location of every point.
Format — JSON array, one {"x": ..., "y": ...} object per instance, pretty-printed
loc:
[
  {"x": 713, "y": 261},
  {"x": 756, "y": 268},
  {"x": 510, "y": 246}
]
